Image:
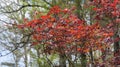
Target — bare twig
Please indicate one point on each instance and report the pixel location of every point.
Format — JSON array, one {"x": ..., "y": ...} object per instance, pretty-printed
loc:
[
  {"x": 47, "y": 3},
  {"x": 23, "y": 6},
  {"x": 5, "y": 22},
  {"x": 24, "y": 43}
]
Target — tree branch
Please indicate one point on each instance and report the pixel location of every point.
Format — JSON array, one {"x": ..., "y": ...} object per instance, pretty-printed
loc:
[
  {"x": 24, "y": 6},
  {"x": 47, "y": 3},
  {"x": 24, "y": 43}
]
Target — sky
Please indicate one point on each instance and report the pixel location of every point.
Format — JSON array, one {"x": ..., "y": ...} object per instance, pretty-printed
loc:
[
  {"x": 4, "y": 38},
  {"x": 3, "y": 51},
  {"x": 9, "y": 58}
]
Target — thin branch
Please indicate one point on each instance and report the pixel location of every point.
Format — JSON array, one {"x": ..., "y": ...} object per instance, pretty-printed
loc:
[
  {"x": 9, "y": 52},
  {"x": 47, "y": 3},
  {"x": 24, "y": 43},
  {"x": 24, "y": 6},
  {"x": 5, "y": 22}
]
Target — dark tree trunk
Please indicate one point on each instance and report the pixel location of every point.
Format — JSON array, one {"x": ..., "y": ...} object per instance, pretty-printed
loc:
[
  {"x": 116, "y": 46},
  {"x": 83, "y": 60},
  {"x": 117, "y": 51},
  {"x": 92, "y": 58},
  {"x": 62, "y": 61}
]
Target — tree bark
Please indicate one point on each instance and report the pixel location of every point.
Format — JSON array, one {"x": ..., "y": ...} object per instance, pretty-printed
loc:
[
  {"x": 83, "y": 60},
  {"x": 38, "y": 55},
  {"x": 116, "y": 51},
  {"x": 16, "y": 62},
  {"x": 62, "y": 60},
  {"x": 26, "y": 58},
  {"x": 92, "y": 58},
  {"x": 116, "y": 46}
]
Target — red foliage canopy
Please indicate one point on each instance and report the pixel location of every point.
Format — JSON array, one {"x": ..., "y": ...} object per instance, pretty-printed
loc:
[{"x": 63, "y": 32}]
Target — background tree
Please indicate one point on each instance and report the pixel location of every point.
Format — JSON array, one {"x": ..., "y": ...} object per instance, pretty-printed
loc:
[{"x": 13, "y": 35}]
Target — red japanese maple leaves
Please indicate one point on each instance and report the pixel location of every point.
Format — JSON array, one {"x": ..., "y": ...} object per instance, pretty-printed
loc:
[
  {"x": 61, "y": 30},
  {"x": 108, "y": 8}
]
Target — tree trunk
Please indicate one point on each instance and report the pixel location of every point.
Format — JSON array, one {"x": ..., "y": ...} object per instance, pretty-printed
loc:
[
  {"x": 92, "y": 58},
  {"x": 83, "y": 60},
  {"x": 116, "y": 46},
  {"x": 26, "y": 58},
  {"x": 71, "y": 63},
  {"x": 116, "y": 51},
  {"x": 38, "y": 55},
  {"x": 16, "y": 62},
  {"x": 62, "y": 60}
]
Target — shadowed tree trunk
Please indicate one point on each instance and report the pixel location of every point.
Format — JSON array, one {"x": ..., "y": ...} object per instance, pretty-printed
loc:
[
  {"x": 62, "y": 60},
  {"x": 116, "y": 46},
  {"x": 92, "y": 57},
  {"x": 83, "y": 60},
  {"x": 116, "y": 52}
]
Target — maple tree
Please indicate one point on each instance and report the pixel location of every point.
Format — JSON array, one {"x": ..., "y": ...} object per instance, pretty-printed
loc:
[
  {"x": 54, "y": 30},
  {"x": 61, "y": 31},
  {"x": 81, "y": 31},
  {"x": 108, "y": 11}
]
